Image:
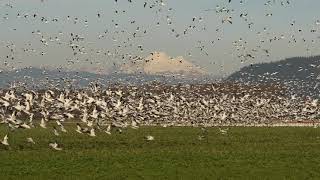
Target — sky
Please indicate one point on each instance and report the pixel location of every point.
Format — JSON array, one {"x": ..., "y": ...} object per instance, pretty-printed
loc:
[{"x": 113, "y": 32}]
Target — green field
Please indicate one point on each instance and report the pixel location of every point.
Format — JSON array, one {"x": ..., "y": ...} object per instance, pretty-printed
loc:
[{"x": 176, "y": 153}]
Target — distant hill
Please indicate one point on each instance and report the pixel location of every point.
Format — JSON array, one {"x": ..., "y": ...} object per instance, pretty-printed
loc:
[
  {"x": 300, "y": 74},
  {"x": 45, "y": 78}
]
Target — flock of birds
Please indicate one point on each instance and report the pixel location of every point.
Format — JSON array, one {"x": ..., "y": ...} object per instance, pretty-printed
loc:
[
  {"x": 126, "y": 40},
  {"x": 117, "y": 108}
]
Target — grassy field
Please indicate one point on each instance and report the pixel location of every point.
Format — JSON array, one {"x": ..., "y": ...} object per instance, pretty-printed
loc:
[{"x": 176, "y": 153}]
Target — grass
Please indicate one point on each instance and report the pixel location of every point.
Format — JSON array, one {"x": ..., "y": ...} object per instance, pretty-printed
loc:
[{"x": 176, "y": 153}]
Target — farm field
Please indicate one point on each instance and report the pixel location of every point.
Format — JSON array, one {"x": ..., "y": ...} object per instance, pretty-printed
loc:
[{"x": 176, "y": 153}]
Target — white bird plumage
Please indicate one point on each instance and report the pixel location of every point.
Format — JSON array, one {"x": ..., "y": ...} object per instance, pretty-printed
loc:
[{"x": 5, "y": 140}]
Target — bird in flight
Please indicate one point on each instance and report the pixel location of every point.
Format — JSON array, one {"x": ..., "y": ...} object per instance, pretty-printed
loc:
[
  {"x": 5, "y": 140},
  {"x": 55, "y": 146}
]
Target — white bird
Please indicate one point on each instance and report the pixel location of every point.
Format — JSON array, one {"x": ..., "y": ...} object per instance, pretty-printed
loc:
[
  {"x": 85, "y": 116},
  {"x": 30, "y": 140},
  {"x": 43, "y": 124},
  {"x": 61, "y": 126},
  {"x": 69, "y": 115},
  {"x": 223, "y": 131},
  {"x": 314, "y": 102},
  {"x": 55, "y": 146},
  {"x": 228, "y": 19},
  {"x": 108, "y": 131},
  {"x": 55, "y": 132},
  {"x": 12, "y": 118},
  {"x": 5, "y": 103},
  {"x": 63, "y": 129},
  {"x": 201, "y": 137},
  {"x": 89, "y": 123},
  {"x": 118, "y": 105},
  {"x": 134, "y": 125},
  {"x": 92, "y": 133},
  {"x": 223, "y": 116},
  {"x": 19, "y": 107},
  {"x": 25, "y": 126},
  {"x": 140, "y": 107},
  {"x": 5, "y": 140},
  {"x": 79, "y": 129},
  {"x": 149, "y": 138},
  {"x": 95, "y": 113},
  {"x": 119, "y": 93}
]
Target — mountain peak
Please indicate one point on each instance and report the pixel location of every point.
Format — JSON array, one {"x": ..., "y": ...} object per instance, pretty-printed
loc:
[{"x": 159, "y": 63}]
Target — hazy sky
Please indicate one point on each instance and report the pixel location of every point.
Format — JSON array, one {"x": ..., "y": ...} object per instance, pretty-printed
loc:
[{"x": 167, "y": 27}]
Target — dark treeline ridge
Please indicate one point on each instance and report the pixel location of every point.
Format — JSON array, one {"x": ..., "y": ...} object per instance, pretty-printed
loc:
[{"x": 299, "y": 74}]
